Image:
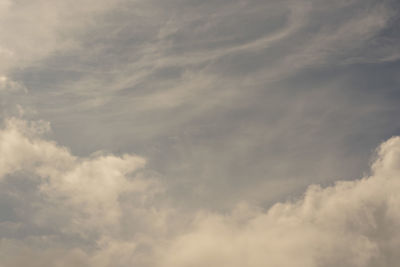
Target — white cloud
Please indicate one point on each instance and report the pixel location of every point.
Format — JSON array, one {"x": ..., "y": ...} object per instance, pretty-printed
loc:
[
  {"x": 33, "y": 30},
  {"x": 352, "y": 223},
  {"x": 86, "y": 188}
]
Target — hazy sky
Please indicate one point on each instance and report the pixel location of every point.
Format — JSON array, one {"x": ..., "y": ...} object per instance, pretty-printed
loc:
[{"x": 192, "y": 133}]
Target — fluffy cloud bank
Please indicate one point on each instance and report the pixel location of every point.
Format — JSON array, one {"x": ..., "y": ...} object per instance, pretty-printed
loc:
[
  {"x": 352, "y": 223},
  {"x": 86, "y": 189}
]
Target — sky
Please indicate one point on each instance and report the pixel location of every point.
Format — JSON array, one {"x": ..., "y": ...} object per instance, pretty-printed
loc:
[{"x": 192, "y": 133}]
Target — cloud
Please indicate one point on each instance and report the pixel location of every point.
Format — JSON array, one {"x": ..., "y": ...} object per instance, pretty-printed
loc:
[
  {"x": 34, "y": 30},
  {"x": 16, "y": 254},
  {"x": 352, "y": 223},
  {"x": 87, "y": 189},
  {"x": 230, "y": 100},
  {"x": 6, "y": 85},
  {"x": 105, "y": 202}
]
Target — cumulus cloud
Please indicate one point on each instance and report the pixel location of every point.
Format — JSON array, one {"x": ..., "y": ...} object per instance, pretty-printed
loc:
[
  {"x": 87, "y": 189},
  {"x": 352, "y": 223}
]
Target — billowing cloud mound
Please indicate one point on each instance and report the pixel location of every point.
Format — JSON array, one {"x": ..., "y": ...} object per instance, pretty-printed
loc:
[
  {"x": 102, "y": 212},
  {"x": 91, "y": 186},
  {"x": 67, "y": 203},
  {"x": 353, "y": 223}
]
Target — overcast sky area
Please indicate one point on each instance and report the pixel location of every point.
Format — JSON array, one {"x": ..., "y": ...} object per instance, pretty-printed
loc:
[{"x": 193, "y": 133}]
